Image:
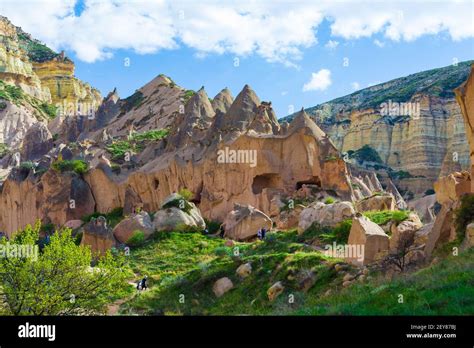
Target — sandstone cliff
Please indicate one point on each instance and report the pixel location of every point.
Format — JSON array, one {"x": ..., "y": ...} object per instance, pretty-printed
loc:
[{"x": 413, "y": 123}]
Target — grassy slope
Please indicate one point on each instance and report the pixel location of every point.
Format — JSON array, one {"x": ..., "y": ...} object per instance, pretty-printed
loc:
[
  {"x": 446, "y": 288},
  {"x": 189, "y": 263}
]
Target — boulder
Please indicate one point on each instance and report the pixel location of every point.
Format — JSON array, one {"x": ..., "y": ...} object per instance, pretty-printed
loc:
[
  {"x": 98, "y": 236},
  {"x": 369, "y": 235},
  {"x": 468, "y": 241},
  {"x": 325, "y": 214},
  {"x": 275, "y": 290},
  {"x": 244, "y": 221},
  {"x": 221, "y": 286},
  {"x": 126, "y": 228},
  {"x": 173, "y": 219},
  {"x": 405, "y": 230},
  {"x": 244, "y": 270},
  {"x": 305, "y": 280},
  {"x": 376, "y": 202},
  {"x": 177, "y": 214}
]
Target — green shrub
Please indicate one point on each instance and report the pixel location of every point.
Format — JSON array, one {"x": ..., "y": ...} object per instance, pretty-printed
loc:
[
  {"x": 77, "y": 166},
  {"x": 154, "y": 134},
  {"x": 27, "y": 166},
  {"x": 186, "y": 194},
  {"x": 188, "y": 95},
  {"x": 212, "y": 226},
  {"x": 3, "y": 150},
  {"x": 365, "y": 154},
  {"x": 137, "y": 238},
  {"x": 3, "y": 105},
  {"x": 464, "y": 215},
  {"x": 49, "y": 109},
  {"x": 329, "y": 200}
]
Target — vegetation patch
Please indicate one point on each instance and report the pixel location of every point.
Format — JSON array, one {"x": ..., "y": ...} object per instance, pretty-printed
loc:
[
  {"x": 442, "y": 289},
  {"x": 77, "y": 166},
  {"x": 464, "y": 215},
  {"x": 365, "y": 154},
  {"x": 113, "y": 217}
]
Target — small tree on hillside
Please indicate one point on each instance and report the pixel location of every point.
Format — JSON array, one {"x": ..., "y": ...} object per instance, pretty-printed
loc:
[{"x": 60, "y": 281}]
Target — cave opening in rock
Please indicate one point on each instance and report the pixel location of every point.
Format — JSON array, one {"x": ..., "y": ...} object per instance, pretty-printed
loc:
[
  {"x": 156, "y": 184},
  {"x": 197, "y": 195},
  {"x": 270, "y": 180},
  {"x": 313, "y": 181}
]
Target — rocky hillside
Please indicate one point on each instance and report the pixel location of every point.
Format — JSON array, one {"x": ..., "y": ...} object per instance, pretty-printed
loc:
[
  {"x": 410, "y": 128},
  {"x": 36, "y": 85}
]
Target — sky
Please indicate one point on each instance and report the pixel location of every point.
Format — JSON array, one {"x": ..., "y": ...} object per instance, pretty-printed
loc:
[{"x": 292, "y": 53}]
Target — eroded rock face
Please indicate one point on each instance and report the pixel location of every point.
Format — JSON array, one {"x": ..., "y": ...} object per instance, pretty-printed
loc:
[
  {"x": 37, "y": 142},
  {"x": 369, "y": 235},
  {"x": 54, "y": 197},
  {"x": 244, "y": 221},
  {"x": 402, "y": 141},
  {"x": 325, "y": 214},
  {"x": 465, "y": 98},
  {"x": 448, "y": 190},
  {"x": 126, "y": 228},
  {"x": 377, "y": 202}
]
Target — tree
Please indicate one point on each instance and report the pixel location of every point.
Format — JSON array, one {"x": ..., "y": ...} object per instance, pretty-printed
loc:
[
  {"x": 399, "y": 256},
  {"x": 60, "y": 280}
]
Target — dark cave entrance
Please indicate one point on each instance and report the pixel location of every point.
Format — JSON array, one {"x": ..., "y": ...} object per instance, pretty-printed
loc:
[
  {"x": 263, "y": 181},
  {"x": 314, "y": 181}
]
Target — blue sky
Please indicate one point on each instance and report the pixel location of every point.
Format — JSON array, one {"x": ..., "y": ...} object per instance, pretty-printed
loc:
[{"x": 280, "y": 47}]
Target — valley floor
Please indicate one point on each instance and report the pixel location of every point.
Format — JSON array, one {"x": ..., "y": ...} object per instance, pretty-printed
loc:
[{"x": 183, "y": 267}]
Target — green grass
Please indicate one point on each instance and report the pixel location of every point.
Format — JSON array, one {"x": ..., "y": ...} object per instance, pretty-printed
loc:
[
  {"x": 135, "y": 144},
  {"x": 340, "y": 233},
  {"x": 36, "y": 51},
  {"x": 3, "y": 150},
  {"x": 16, "y": 96},
  {"x": 446, "y": 288},
  {"x": 189, "y": 264}
]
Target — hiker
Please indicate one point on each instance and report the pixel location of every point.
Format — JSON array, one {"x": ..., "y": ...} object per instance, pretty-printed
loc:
[
  {"x": 259, "y": 234},
  {"x": 222, "y": 231},
  {"x": 264, "y": 232},
  {"x": 141, "y": 285}
]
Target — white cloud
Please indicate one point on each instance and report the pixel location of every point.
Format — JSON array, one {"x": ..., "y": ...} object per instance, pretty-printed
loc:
[
  {"x": 319, "y": 81},
  {"x": 331, "y": 44},
  {"x": 355, "y": 86},
  {"x": 276, "y": 31},
  {"x": 379, "y": 43}
]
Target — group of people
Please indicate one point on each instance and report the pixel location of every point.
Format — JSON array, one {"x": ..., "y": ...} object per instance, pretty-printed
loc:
[{"x": 261, "y": 233}]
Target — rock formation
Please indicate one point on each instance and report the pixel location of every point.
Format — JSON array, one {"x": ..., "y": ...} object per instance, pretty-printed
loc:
[
  {"x": 413, "y": 123},
  {"x": 325, "y": 214},
  {"x": 368, "y": 238}
]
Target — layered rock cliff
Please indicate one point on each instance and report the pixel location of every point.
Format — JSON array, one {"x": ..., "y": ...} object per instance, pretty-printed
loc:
[
  {"x": 413, "y": 123},
  {"x": 36, "y": 85}
]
